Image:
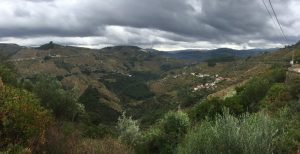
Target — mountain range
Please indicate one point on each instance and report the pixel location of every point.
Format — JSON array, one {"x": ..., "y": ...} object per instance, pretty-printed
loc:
[{"x": 203, "y": 55}]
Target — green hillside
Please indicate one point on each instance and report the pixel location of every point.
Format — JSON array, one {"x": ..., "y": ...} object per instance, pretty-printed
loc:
[{"x": 61, "y": 99}]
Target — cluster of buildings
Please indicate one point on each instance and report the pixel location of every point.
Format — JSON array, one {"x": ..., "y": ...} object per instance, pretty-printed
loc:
[
  {"x": 199, "y": 75},
  {"x": 210, "y": 85}
]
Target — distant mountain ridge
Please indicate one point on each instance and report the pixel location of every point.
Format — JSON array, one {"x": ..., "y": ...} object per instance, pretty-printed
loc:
[
  {"x": 7, "y": 50},
  {"x": 202, "y": 55}
]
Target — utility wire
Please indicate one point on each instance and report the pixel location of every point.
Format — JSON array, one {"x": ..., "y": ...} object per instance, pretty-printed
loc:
[
  {"x": 293, "y": 51},
  {"x": 267, "y": 9},
  {"x": 279, "y": 25},
  {"x": 278, "y": 21}
]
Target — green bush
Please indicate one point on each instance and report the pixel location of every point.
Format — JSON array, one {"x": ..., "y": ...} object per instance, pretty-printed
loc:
[
  {"x": 151, "y": 141},
  {"x": 164, "y": 137},
  {"x": 97, "y": 131},
  {"x": 277, "y": 97},
  {"x": 252, "y": 92},
  {"x": 129, "y": 130},
  {"x": 294, "y": 85},
  {"x": 188, "y": 97},
  {"x": 248, "y": 134},
  {"x": 174, "y": 127},
  {"x": 249, "y": 96},
  {"x": 276, "y": 74},
  {"x": 208, "y": 108},
  {"x": 175, "y": 123},
  {"x": 22, "y": 120},
  {"x": 212, "y": 107},
  {"x": 7, "y": 75},
  {"x": 64, "y": 104},
  {"x": 288, "y": 120}
]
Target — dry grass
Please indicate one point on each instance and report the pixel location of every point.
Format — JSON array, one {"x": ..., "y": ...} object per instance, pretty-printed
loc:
[{"x": 104, "y": 146}]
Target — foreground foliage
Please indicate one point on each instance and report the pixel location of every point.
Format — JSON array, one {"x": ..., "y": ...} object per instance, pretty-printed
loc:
[
  {"x": 247, "y": 134},
  {"x": 22, "y": 120},
  {"x": 64, "y": 104},
  {"x": 165, "y": 136},
  {"x": 129, "y": 131}
]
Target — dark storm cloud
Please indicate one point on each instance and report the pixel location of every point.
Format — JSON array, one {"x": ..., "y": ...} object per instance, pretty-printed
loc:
[{"x": 142, "y": 22}]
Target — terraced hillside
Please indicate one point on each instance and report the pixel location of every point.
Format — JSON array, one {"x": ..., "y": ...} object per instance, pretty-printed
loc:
[
  {"x": 118, "y": 75},
  {"x": 128, "y": 78}
]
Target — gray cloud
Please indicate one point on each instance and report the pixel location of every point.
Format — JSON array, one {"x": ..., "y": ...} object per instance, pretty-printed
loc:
[{"x": 178, "y": 23}]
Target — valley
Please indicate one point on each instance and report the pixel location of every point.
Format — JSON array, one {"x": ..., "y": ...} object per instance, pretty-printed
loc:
[
  {"x": 129, "y": 78},
  {"x": 104, "y": 84},
  {"x": 149, "y": 77}
]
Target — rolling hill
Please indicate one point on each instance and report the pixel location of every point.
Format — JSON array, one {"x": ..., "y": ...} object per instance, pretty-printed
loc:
[{"x": 145, "y": 83}]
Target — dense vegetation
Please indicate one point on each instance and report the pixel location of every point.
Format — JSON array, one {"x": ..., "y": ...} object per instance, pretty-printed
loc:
[{"x": 213, "y": 61}]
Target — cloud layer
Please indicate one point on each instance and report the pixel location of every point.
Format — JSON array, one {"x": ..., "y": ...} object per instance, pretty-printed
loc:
[{"x": 162, "y": 24}]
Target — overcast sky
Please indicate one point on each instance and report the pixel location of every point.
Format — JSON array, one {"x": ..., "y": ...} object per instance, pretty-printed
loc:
[{"x": 159, "y": 24}]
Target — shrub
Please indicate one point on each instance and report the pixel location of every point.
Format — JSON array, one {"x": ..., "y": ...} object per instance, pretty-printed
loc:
[
  {"x": 212, "y": 107},
  {"x": 277, "y": 97},
  {"x": 188, "y": 97},
  {"x": 234, "y": 105},
  {"x": 175, "y": 123},
  {"x": 61, "y": 138},
  {"x": 105, "y": 146},
  {"x": 98, "y": 131},
  {"x": 64, "y": 104},
  {"x": 254, "y": 91},
  {"x": 228, "y": 134},
  {"x": 294, "y": 85},
  {"x": 18, "y": 149},
  {"x": 288, "y": 120},
  {"x": 7, "y": 75},
  {"x": 276, "y": 74},
  {"x": 208, "y": 108},
  {"x": 174, "y": 127},
  {"x": 165, "y": 136},
  {"x": 249, "y": 96},
  {"x": 22, "y": 120},
  {"x": 151, "y": 142},
  {"x": 129, "y": 131}
]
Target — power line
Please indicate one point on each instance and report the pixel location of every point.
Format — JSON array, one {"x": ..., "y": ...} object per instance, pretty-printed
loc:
[
  {"x": 274, "y": 22},
  {"x": 293, "y": 51},
  {"x": 278, "y": 21},
  {"x": 279, "y": 25}
]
